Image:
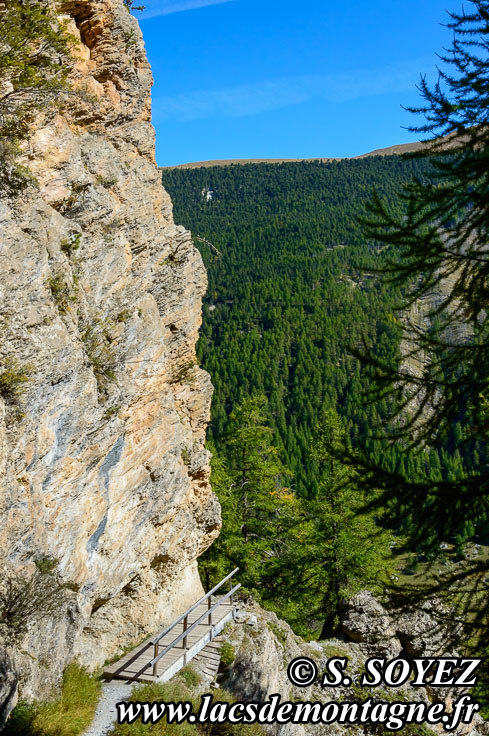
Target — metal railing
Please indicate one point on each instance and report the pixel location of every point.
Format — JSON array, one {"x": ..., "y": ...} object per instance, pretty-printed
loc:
[{"x": 211, "y": 607}]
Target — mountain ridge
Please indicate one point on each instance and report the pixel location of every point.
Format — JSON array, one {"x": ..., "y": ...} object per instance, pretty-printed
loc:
[{"x": 388, "y": 151}]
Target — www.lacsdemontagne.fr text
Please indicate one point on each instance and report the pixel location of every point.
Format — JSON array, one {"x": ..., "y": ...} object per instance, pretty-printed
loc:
[{"x": 393, "y": 715}]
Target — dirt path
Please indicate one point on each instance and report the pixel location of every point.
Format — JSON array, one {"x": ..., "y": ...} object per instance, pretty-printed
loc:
[{"x": 113, "y": 691}]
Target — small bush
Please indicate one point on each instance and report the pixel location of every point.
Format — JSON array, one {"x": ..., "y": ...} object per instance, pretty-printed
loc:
[
  {"x": 184, "y": 373},
  {"x": 46, "y": 565},
  {"x": 13, "y": 379},
  {"x": 111, "y": 412},
  {"x": 14, "y": 177},
  {"x": 34, "y": 42},
  {"x": 190, "y": 677},
  {"x": 28, "y": 598},
  {"x": 480, "y": 693},
  {"x": 129, "y": 4},
  {"x": 100, "y": 352},
  {"x": 185, "y": 455},
  {"x": 71, "y": 243},
  {"x": 130, "y": 39},
  {"x": 106, "y": 181},
  {"x": 73, "y": 203},
  {"x": 123, "y": 316},
  {"x": 21, "y": 720},
  {"x": 60, "y": 291},
  {"x": 228, "y": 654}
]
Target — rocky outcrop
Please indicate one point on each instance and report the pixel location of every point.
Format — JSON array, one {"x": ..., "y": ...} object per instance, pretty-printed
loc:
[
  {"x": 425, "y": 631},
  {"x": 418, "y": 321},
  {"x": 8, "y": 688},
  {"x": 102, "y": 458},
  {"x": 264, "y": 645}
]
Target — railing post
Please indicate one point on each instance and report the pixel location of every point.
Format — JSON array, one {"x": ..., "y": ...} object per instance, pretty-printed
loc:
[
  {"x": 184, "y": 643},
  {"x": 209, "y": 618},
  {"x": 230, "y": 588},
  {"x": 185, "y": 627},
  {"x": 155, "y": 666}
]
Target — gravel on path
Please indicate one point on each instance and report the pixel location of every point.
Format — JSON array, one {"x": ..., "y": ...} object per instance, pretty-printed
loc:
[{"x": 113, "y": 691}]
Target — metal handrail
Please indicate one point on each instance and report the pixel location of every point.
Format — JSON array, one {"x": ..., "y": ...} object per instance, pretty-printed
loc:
[
  {"x": 186, "y": 631},
  {"x": 192, "y": 608}
]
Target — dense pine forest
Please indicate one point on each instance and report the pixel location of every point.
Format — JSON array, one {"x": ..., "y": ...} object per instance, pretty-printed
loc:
[
  {"x": 290, "y": 292},
  {"x": 295, "y": 289}
]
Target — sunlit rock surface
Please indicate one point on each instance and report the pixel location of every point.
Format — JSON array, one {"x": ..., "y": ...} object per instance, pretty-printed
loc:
[{"x": 103, "y": 465}]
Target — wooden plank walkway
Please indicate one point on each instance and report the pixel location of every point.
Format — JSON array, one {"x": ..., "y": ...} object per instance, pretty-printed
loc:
[{"x": 136, "y": 665}]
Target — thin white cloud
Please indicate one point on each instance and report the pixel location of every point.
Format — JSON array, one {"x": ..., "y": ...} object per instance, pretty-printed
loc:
[
  {"x": 155, "y": 8},
  {"x": 251, "y": 99}
]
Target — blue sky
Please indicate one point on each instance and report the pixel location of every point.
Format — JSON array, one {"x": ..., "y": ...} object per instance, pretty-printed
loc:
[{"x": 287, "y": 78}]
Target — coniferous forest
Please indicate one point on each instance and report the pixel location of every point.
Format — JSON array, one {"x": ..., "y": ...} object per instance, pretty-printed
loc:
[
  {"x": 290, "y": 293},
  {"x": 296, "y": 292}
]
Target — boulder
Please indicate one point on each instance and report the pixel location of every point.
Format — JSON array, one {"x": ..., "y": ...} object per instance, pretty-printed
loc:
[{"x": 8, "y": 687}]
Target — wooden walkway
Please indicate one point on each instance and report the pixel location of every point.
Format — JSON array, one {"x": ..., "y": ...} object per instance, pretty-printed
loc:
[{"x": 162, "y": 656}]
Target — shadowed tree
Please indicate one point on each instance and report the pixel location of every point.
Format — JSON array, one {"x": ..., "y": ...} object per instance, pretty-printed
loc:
[{"x": 439, "y": 248}]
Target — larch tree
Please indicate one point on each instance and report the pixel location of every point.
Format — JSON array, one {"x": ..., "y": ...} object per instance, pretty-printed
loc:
[
  {"x": 333, "y": 547},
  {"x": 250, "y": 482},
  {"x": 439, "y": 255}
]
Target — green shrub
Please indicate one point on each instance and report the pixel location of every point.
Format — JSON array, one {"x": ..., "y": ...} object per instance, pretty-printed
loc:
[
  {"x": 62, "y": 294},
  {"x": 129, "y": 4},
  {"x": 111, "y": 412},
  {"x": 184, "y": 373},
  {"x": 26, "y": 599},
  {"x": 190, "y": 677},
  {"x": 21, "y": 720},
  {"x": 228, "y": 654},
  {"x": 480, "y": 693},
  {"x": 46, "y": 565},
  {"x": 124, "y": 315},
  {"x": 130, "y": 40},
  {"x": 185, "y": 455},
  {"x": 71, "y": 243},
  {"x": 13, "y": 379},
  {"x": 100, "y": 352},
  {"x": 14, "y": 177},
  {"x": 106, "y": 181}
]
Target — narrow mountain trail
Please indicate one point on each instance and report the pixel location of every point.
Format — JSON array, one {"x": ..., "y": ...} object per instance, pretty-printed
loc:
[{"x": 113, "y": 691}]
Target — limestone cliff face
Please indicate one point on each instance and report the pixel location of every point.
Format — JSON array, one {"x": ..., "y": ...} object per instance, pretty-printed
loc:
[{"x": 102, "y": 463}]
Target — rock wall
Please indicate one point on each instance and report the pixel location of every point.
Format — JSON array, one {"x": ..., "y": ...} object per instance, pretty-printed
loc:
[
  {"x": 102, "y": 458},
  {"x": 419, "y": 319}
]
